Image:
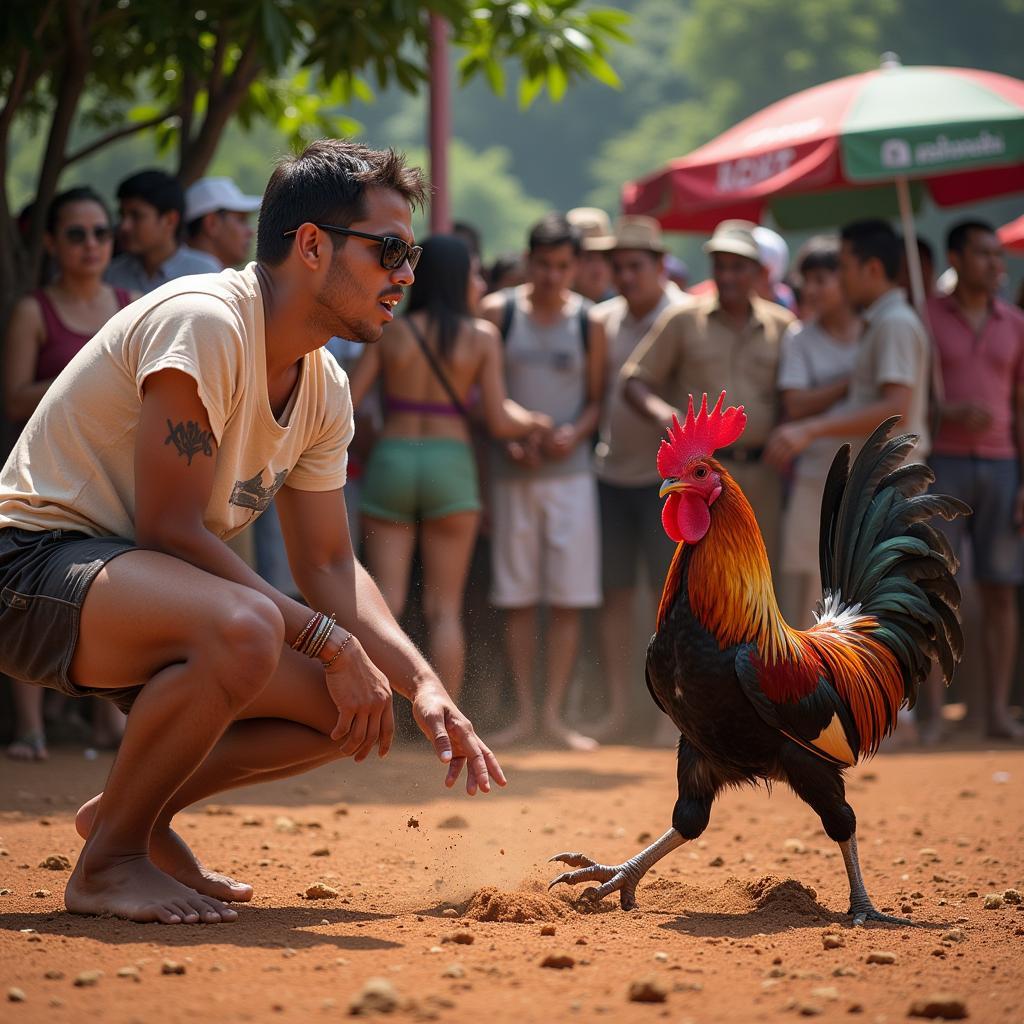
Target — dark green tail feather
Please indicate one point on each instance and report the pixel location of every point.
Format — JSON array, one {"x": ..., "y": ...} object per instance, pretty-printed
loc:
[{"x": 867, "y": 508}]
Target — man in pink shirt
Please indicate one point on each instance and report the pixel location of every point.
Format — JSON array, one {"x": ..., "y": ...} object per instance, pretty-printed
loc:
[{"x": 979, "y": 450}]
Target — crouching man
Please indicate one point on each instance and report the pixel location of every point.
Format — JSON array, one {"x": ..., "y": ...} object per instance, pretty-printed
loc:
[{"x": 169, "y": 433}]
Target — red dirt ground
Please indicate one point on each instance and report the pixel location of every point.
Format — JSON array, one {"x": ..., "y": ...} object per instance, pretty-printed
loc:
[{"x": 730, "y": 928}]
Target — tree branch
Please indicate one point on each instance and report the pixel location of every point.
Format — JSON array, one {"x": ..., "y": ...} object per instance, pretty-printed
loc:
[{"x": 118, "y": 133}]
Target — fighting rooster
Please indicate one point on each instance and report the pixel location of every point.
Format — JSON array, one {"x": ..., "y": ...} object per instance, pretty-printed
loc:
[{"x": 755, "y": 699}]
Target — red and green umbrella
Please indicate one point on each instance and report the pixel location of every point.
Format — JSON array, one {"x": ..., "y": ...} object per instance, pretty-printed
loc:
[
  {"x": 1012, "y": 235},
  {"x": 832, "y": 153}
]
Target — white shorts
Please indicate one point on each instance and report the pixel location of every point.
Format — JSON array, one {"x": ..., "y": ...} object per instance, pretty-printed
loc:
[{"x": 545, "y": 543}]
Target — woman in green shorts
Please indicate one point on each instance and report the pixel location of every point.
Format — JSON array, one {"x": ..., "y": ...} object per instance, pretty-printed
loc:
[{"x": 421, "y": 479}]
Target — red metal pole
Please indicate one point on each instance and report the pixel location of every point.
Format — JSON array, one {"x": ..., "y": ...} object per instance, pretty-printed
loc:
[{"x": 440, "y": 125}]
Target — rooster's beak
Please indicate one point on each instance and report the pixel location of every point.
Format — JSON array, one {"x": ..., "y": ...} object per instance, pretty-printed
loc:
[{"x": 670, "y": 485}]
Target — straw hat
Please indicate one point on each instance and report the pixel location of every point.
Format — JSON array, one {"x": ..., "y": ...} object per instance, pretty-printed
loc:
[
  {"x": 594, "y": 227},
  {"x": 737, "y": 237}
]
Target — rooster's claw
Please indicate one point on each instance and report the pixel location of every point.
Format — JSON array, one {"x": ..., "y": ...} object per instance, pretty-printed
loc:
[
  {"x": 870, "y": 914},
  {"x": 616, "y": 878}
]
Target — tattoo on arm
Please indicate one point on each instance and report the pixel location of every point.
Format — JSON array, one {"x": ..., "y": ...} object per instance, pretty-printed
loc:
[{"x": 190, "y": 439}]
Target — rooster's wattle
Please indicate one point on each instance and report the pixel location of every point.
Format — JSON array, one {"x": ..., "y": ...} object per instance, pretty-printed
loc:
[{"x": 755, "y": 699}]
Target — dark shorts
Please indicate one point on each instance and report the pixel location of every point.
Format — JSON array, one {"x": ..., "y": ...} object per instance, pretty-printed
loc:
[
  {"x": 989, "y": 487},
  {"x": 631, "y": 532},
  {"x": 44, "y": 577}
]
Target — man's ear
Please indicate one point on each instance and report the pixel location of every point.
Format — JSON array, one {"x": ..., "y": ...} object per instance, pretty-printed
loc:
[{"x": 309, "y": 245}]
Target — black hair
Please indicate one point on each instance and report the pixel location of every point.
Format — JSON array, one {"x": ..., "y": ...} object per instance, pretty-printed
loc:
[
  {"x": 818, "y": 253},
  {"x": 327, "y": 184},
  {"x": 195, "y": 226},
  {"x": 875, "y": 239},
  {"x": 959, "y": 233},
  {"x": 80, "y": 194},
  {"x": 503, "y": 265},
  {"x": 158, "y": 188},
  {"x": 470, "y": 234},
  {"x": 551, "y": 230},
  {"x": 441, "y": 287}
]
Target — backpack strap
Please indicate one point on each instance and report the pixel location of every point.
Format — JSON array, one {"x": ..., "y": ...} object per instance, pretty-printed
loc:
[{"x": 509, "y": 310}]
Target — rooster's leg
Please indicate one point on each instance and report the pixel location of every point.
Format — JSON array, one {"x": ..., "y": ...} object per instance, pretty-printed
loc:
[
  {"x": 861, "y": 906},
  {"x": 821, "y": 785},
  {"x": 620, "y": 878}
]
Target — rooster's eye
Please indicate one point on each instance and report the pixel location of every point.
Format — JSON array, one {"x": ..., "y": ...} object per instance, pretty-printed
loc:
[{"x": 700, "y": 472}]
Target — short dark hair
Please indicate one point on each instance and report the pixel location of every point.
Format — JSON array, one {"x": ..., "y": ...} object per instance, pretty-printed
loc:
[
  {"x": 959, "y": 233},
  {"x": 80, "y": 194},
  {"x": 818, "y": 253},
  {"x": 551, "y": 230},
  {"x": 327, "y": 184},
  {"x": 158, "y": 188},
  {"x": 875, "y": 239},
  {"x": 195, "y": 226}
]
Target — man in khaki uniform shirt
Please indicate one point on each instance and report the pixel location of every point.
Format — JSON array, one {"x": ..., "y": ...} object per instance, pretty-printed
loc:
[{"x": 731, "y": 341}]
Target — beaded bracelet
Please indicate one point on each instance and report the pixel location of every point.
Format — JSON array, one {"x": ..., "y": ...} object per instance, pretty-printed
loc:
[
  {"x": 320, "y": 637},
  {"x": 337, "y": 653},
  {"x": 307, "y": 629}
]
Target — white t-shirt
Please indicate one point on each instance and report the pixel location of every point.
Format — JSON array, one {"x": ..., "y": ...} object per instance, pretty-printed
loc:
[
  {"x": 812, "y": 358},
  {"x": 73, "y": 467}
]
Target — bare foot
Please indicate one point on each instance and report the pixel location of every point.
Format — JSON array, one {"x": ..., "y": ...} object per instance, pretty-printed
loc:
[
  {"x": 134, "y": 888},
  {"x": 518, "y": 732},
  {"x": 29, "y": 747},
  {"x": 570, "y": 738},
  {"x": 1004, "y": 727},
  {"x": 171, "y": 854}
]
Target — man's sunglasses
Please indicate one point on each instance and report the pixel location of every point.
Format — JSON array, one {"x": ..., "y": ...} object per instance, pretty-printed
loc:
[
  {"x": 393, "y": 251},
  {"x": 77, "y": 235}
]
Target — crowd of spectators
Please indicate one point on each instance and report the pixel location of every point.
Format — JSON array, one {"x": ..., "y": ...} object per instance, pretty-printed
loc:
[{"x": 508, "y": 420}]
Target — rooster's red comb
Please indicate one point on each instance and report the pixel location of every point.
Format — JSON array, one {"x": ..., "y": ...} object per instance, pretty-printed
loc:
[{"x": 700, "y": 435}]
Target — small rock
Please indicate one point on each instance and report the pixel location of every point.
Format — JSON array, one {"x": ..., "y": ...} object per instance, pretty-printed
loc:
[
  {"x": 1011, "y": 896},
  {"x": 794, "y": 846},
  {"x": 454, "y": 971},
  {"x": 172, "y": 967},
  {"x": 661, "y": 957},
  {"x": 455, "y": 821},
  {"x": 715, "y": 862},
  {"x": 547, "y": 929},
  {"x": 5, "y": 892},
  {"x": 86, "y": 979},
  {"x": 940, "y": 1006},
  {"x": 129, "y": 972},
  {"x": 321, "y": 851},
  {"x": 460, "y": 938},
  {"x": 449, "y": 912},
  {"x": 53, "y": 975},
  {"x": 251, "y": 820},
  {"x": 377, "y": 996},
  {"x": 644, "y": 837},
  {"x": 16, "y": 995},
  {"x": 286, "y": 825},
  {"x": 954, "y": 935},
  {"x": 56, "y": 862},
  {"x": 647, "y": 990},
  {"x": 40, "y": 894},
  {"x": 341, "y": 810},
  {"x": 219, "y": 811},
  {"x": 880, "y": 956},
  {"x": 413, "y": 823},
  {"x": 832, "y": 941},
  {"x": 829, "y": 992},
  {"x": 809, "y": 1010},
  {"x": 581, "y": 941},
  {"x": 993, "y": 901},
  {"x": 558, "y": 961},
  {"x": 320, "y": 891}
]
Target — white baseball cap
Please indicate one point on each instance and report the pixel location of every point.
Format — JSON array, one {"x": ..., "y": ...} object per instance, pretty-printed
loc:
[
  {"x": 774, "y": 252},
  {"x": 208, "y": 195}
]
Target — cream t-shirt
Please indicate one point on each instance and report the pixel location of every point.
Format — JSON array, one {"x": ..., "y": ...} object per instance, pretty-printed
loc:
[{"x": 73, "y": 467}]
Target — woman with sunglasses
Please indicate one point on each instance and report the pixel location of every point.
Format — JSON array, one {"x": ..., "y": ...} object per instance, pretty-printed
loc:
[
  {"x": 47, "y": 328},
  {"x": 421, "y": 479}
]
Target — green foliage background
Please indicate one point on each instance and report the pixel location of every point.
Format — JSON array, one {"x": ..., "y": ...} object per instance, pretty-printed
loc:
[{"x": 694, "y": 67}]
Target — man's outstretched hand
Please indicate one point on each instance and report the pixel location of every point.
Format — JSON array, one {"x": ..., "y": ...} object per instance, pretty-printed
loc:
[{"x": 455, "y": 740}]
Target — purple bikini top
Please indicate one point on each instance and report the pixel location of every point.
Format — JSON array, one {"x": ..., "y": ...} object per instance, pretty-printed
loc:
[{"x": 425, "y": 408}]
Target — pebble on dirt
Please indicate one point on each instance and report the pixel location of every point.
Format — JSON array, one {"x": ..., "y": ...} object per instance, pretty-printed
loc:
[
  {"x": 172, "y": 967},
  {"x": 880, "y": 956},
  {"x": 558, "y": 961},
  {"x": 87, "y": 979},
  {"x": 647, "y": 990},
  {"x": 16, "y": 995},
  {"x": 940, "y": 1006},
  {"x": 377, "y": 996},
  {"x": 56, "y": 862},
  {"x": 320, "y": 891}
]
